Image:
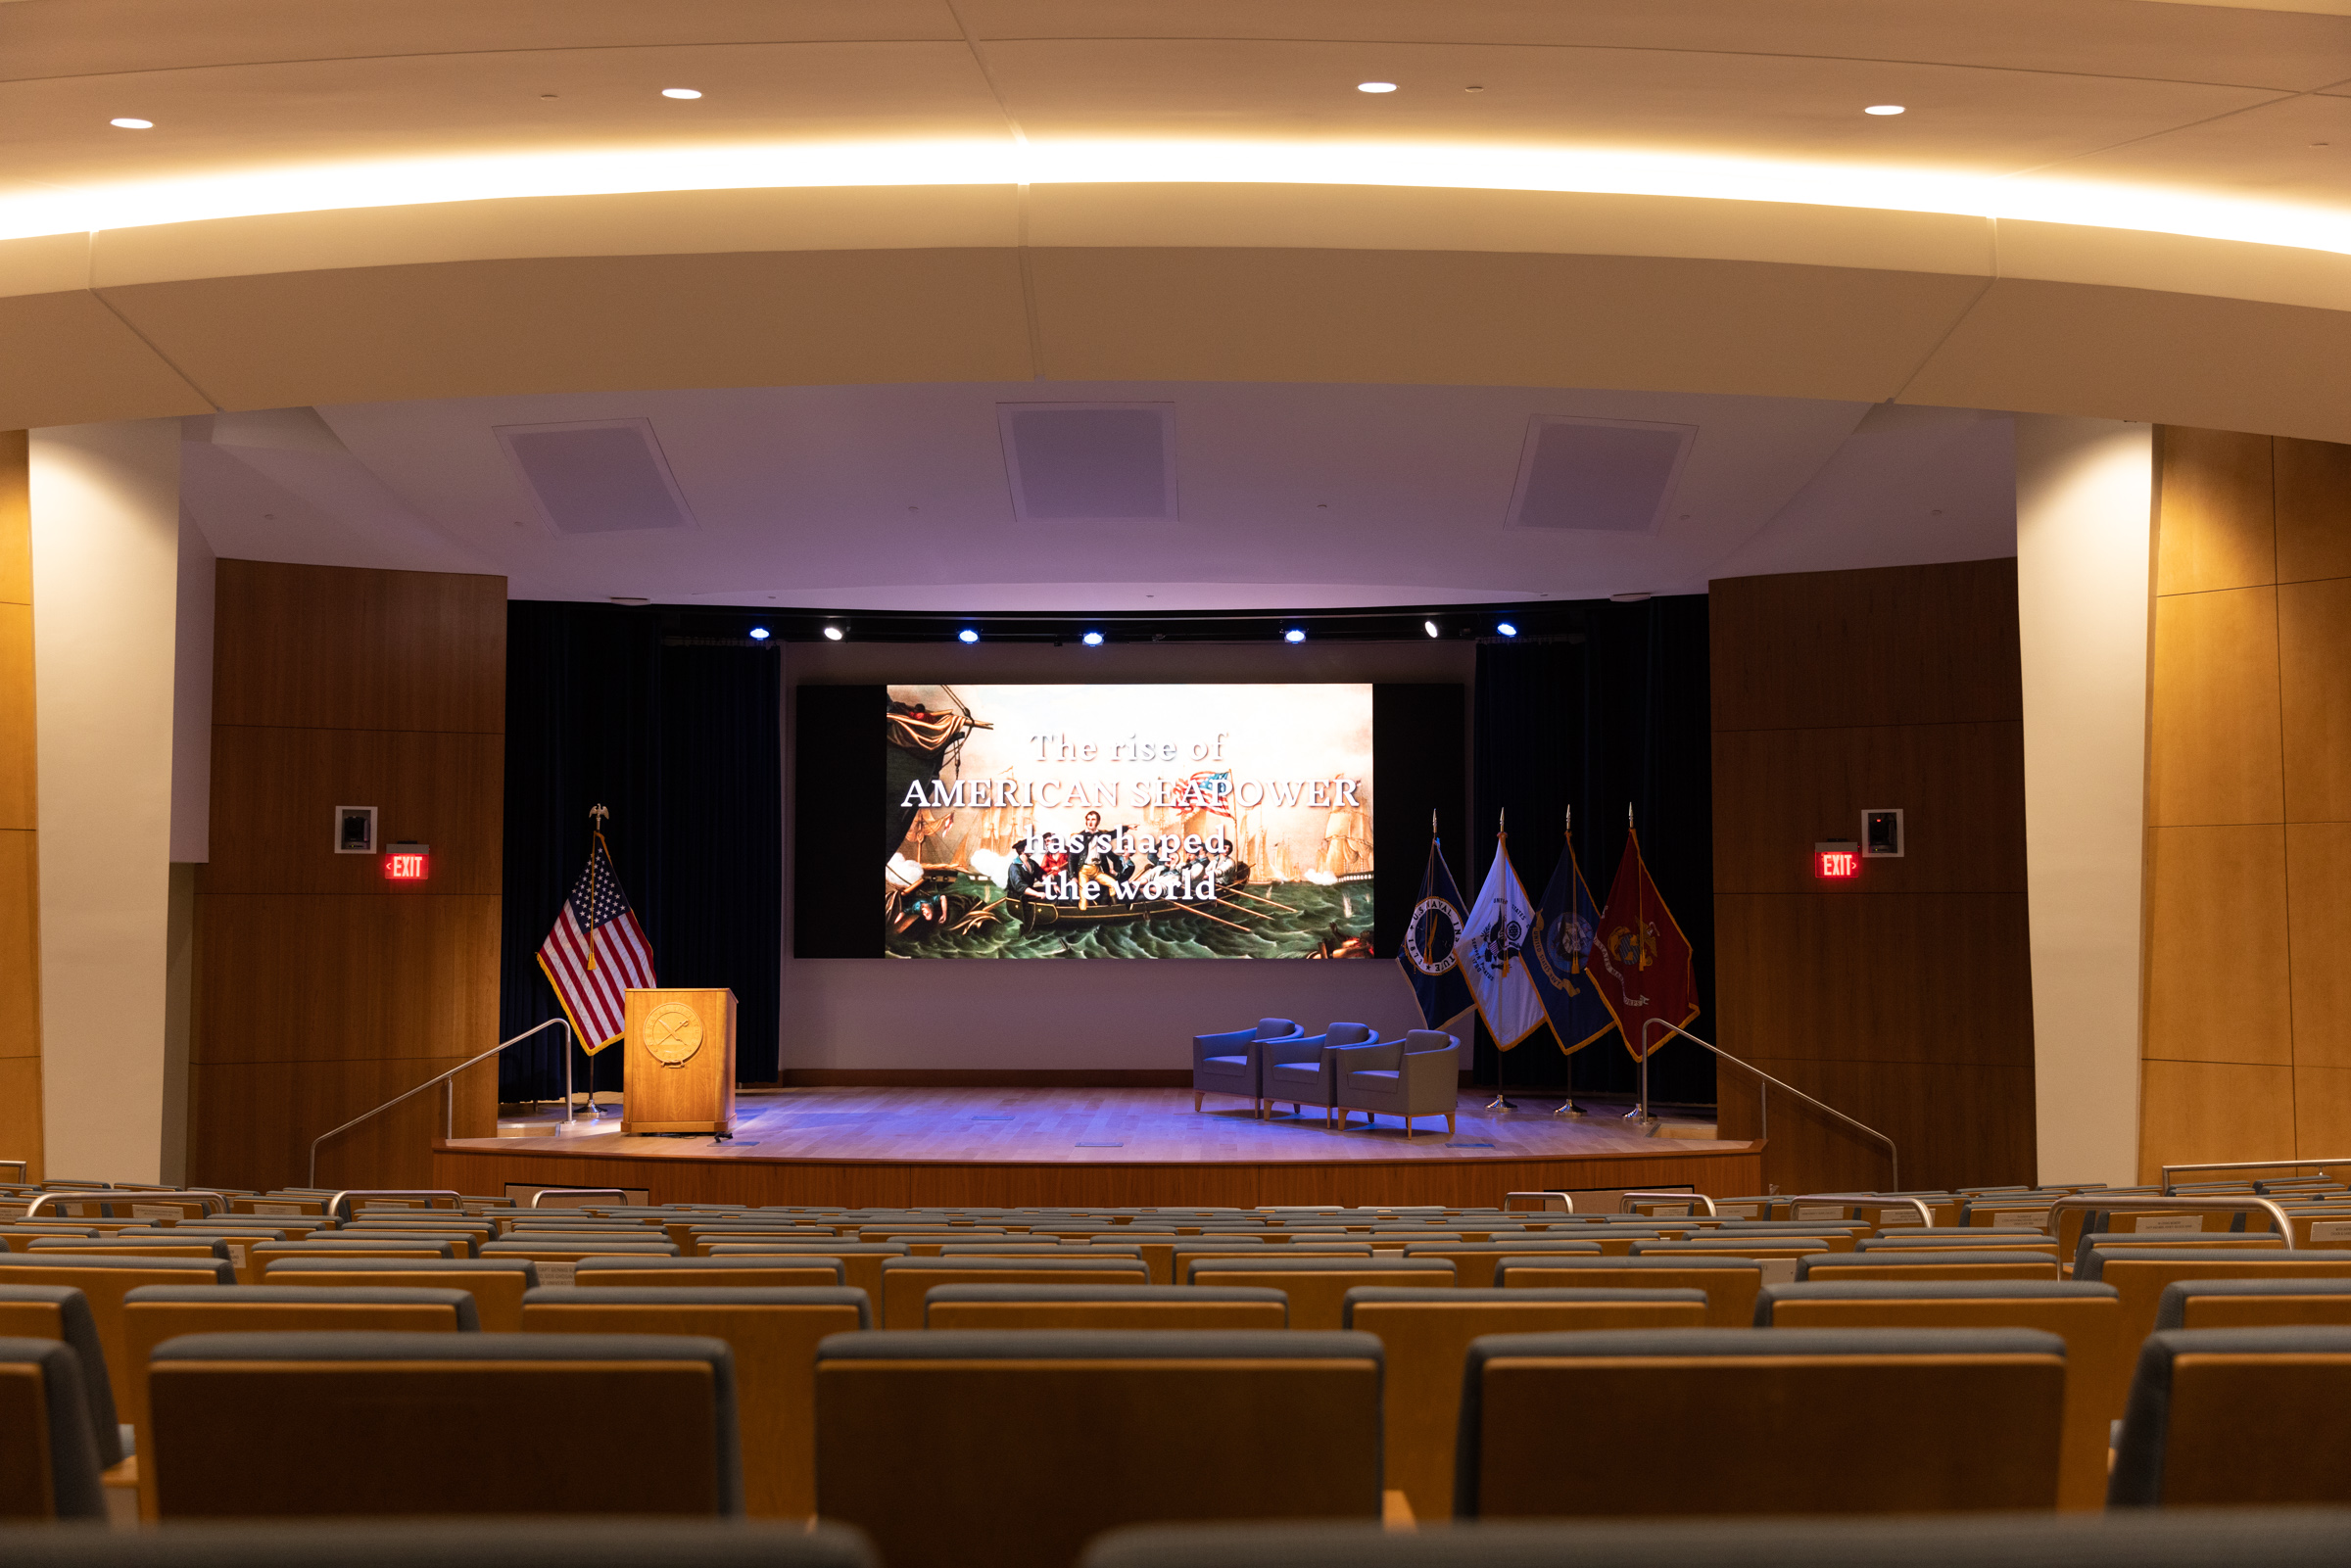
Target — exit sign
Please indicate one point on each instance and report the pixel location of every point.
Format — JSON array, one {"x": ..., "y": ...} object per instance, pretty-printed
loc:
[
  {"x": 1837, "y": 860},
  {"x": 409, "y": 862}
]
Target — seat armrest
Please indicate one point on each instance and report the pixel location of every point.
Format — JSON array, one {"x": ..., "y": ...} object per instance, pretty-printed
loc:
[
  {"x": 1380, "y": 1054},
  {"x": 1232, "y": 1042},
  {"x": 1302, "y": 1048},
  {"x": 1424, "y": 1064}
]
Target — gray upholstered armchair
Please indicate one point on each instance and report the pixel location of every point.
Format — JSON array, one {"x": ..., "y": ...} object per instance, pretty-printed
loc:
[
  {"x": 1299, "y": 1071},
  {"x": 1232, "y": 1063},
  {"x": 1418, "y": 1075}
]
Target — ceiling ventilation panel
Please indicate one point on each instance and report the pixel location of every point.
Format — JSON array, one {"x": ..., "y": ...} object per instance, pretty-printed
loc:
[
  {"x": 600, "y": 476},
  {"x": 1090, "y": 461},
  {"x": 1609, "y": 476}
]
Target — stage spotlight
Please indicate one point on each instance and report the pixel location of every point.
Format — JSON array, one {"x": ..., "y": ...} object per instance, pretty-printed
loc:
[
  {"x": 1092, "y": 640},
  {"x": 1506, "y": 629},
  {"x": 1430, "y": 627},
  {"x": 758, "y": 633},
  {"x": 834, "y": 634},
  {"x": 967, "y": 635},
  {"x": 1296, "y": 633}
]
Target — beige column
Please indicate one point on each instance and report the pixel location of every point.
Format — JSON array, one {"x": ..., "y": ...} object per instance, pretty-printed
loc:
[{"x": 2084, "y": 510}]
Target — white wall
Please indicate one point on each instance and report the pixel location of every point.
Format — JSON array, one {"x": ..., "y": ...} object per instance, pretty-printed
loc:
[
  {"x": 883, "y": 1013},
  {"x": 2084, "y": 515},
  {"x": 106, "y": 576}
]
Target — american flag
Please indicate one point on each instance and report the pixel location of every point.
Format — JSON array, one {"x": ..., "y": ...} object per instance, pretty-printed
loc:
[{"x": 589, "y": 974}]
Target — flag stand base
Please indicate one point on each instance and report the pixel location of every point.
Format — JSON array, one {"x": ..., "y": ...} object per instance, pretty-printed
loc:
[
  {"x": 1501, "y": 1102},
  {"x": 1571, "y": 1109}
]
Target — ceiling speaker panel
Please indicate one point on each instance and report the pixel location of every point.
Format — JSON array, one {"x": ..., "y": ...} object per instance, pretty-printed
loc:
[
  {"x": 1597, "y": 475},
  {"x": 1091, "y": 462},
  {"x": 604, "y": 476}
]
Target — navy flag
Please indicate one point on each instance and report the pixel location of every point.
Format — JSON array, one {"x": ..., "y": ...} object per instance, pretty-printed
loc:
[
  {"x": 1431, "y": 936},
  {"x": 1565, "y": 927}
]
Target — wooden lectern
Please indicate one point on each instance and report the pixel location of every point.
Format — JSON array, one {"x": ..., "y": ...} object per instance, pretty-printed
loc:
[{"x": 678, "y": 1067}]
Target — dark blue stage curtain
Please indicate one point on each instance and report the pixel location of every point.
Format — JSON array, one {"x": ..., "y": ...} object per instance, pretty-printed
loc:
[
  {"x": 680, "y": 737},
  {"x": 1618, "y": 713}
]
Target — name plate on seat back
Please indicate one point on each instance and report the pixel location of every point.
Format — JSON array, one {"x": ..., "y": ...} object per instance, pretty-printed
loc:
[
  {"x": 2330, "y": 1230},
  {"x": 1818, "y": 1212},
  {"x": 1778, "y": 1270},
  {"x": 565, "y": 1275},
  {"x": 2168, "y": 1224},
  {"x": 277, "y": 1209},
  {"x": 2038, "y": 1219},
  {"x": 1735, "y": 1211},
  {"x": 155, "y": 1210}
]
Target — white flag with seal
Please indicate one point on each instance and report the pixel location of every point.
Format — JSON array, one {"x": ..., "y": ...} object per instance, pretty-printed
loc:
[{"x": 1500, "y": 923}]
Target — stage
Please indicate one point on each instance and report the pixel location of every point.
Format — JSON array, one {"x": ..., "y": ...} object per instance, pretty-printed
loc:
[{"x": 875, "y": 1147}]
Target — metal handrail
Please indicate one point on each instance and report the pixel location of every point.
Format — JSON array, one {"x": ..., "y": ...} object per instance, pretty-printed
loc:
[
  {"x": 1565, "y": 1197},
  {"x": 334, "y": 1204},
  {"x": 1641, "y": 1111},
  {"x": 23, "y": 1168},
  {"x": 449, "y": 1109},
  {"x": 2285, "y": 1225},
  {"x": 1854, "y": 1200},
  {"x": 2245, "y": 1164},
  {"x": 615, "y": 1192},
  {"x": 107, "y": 1194},
  {"x": 1630, "y": 1194}
]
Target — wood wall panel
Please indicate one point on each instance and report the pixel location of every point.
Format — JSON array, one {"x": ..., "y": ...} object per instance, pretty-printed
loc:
[
  {"x": 2321, "y": 1112},
  {"x": 2214, "y": 750},
  {"x": 20, "y": 1112},
  {"x": 20, "y": 821},
  {"x": 2317, "y": 870},
  {"x": 279, "y": 788},
  {"x": 2215, "y": 491},
  {"x": 2198, "y": 1111},
  {"x": 2314, "y": 509},
  {"x": 16, "y": 517},
  {"x": 19, "y": 788},
  {"x": 2314, "y": 687},
  {"x": 2216, "y": 901},
  {"x": 1904, "y": 999},
  {"x": 20, "y": 944},
  {"x": 323, "y": 990},
  {"x": 348, "y": 649}
]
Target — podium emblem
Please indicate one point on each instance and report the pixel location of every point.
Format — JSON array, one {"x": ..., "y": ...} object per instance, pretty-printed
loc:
[{"x": 673, "y": 1034}]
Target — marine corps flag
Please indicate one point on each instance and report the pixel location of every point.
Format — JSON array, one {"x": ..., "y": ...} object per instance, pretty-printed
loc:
[
  {"x": 1493, "y": 957},
  {"x": 1565, "y": 927},
  {"x": 1640, "y": 959},
  {"x": 1431, "y": 934}
]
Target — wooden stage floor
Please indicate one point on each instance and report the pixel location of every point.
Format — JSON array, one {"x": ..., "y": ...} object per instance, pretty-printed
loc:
[{"x": 883, "y": 1146}]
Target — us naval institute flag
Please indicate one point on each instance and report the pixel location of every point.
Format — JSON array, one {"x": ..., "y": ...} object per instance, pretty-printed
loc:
[
  {"x": 1432, "y": 936},
  {"x": 1564, "y": 925},
  {"x": 1493, "y": 957}
]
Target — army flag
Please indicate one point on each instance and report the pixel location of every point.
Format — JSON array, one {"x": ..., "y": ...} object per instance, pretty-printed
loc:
[
  {"x": 1564, "y": 925},
  {"x": 1493, "y": 957},
  {"x": 1640, "y": 959},
  {"x": 1432, "y": 933}
]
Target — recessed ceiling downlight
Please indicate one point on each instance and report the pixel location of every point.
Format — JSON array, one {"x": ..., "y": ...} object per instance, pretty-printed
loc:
[
  {"x": 1374, "y": 86},
  {"x": 689, "y": 93},
  {"x": 1884, "y": 108},
  {"x": 126, "y": 122},
  {"x": 834, "y": 634}
]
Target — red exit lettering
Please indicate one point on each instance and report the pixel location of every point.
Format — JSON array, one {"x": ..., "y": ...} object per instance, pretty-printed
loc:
[
  {"x": 1838, "y": 863},
  {"x": 408, "y": 868}
]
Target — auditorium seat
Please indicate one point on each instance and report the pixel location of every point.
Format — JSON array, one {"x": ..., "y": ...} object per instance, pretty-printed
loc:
[
  {"x": 2253, "y": 1304},
  {"x": 1233, "y": 1061},
  {"x": 773, "y": 1332},
  {"x": 2237, "y": 1416},
  {"x": 591, "y": 1542},
  {"x": 2243, "y": 1538},
  {"x": 48, "y": 1466},
  {"x": 266, "y": 1425},
  {"x": 2138, "y": 1276},
  {"x": 1929, "y": 1262},
  {"x": 906, "y": 1281},
  {"x": 2084, "y": 1316},
  {"x": 61, "y": 1312},
  {"x": 1104, "y": 1307},
  {"x": 2091, "y": 1241},
  {"x": 759, "y": 1273},
  {"x": 1021, "y": 1447},
  {"x": 1473, "y": 1262},
  {"x": 1778, "y": 1420},
  {"x": 497, "y": 1285},
  {"x": 1318, "y": 1286},
  {"x": 105, "y": 1281},
  {"x": 1730, "y": 1284},
  {"x": 154, "y": 1313},
  {"x": 1418, "y": 1075},
  {"x": 1425, "y": 1337}
]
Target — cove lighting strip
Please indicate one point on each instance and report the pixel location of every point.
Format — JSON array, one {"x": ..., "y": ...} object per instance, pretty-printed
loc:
[{"x": 405, "y": 183}]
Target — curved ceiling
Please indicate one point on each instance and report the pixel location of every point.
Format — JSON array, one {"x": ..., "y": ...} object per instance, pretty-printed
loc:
[{"x": 2132, "y": 207}]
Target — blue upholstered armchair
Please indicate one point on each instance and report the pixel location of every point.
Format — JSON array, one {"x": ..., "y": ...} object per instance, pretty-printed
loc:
[
  {"x": 1232, "y": 1063},
  {"x": 1418, "y": 1075},
  {"x": 1299, "y": 1071}
]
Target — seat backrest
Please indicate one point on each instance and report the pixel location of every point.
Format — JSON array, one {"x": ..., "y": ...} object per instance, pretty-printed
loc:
[
  {"x": 2140, "y": 1274},
  {"x": 759, "y": 1273},
  {"x": 1730, "y": 1283},
  {"x": 1473, "y": 1261},
  {"x": 1276, "y": 1028},
  {"x": 2253, "y": 1304},
  {"x": 1318, "y": 1287},
  {"x": 1053, "y": 1437},
  {"x": 104, "y": 1281},
  {"x": 61, "y": 1312},
  {"x": 906, "y": 1281},
  {"x": 1929, "y": 1263},
  {"x": 1779, "y": 1420},
  {"x": 2084, "y": 1316},
  {"x": 1417, "y": 1041},
  {"x": 496, "y": 1286},
  {"x": 860, "y": 1262},
  {"x": 773, "y": 1332},
  {"x": 1426, "y": 1335},
  {"x": 52, "y": 1459},
  {"x": 286, "y": 1425},
  {"x": 1350, "y": 1034},
  {"x": 1173, "y": 1308},
  {"x": 2236, "y": 1416}
]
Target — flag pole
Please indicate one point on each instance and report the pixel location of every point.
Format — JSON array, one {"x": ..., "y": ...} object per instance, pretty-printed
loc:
[
  {"x": 597, "y": 816},
  {"x": 1502, "y": 1100},
  {"x": 1567, "y": 1107},
  {"x": 1639, "y": 1116}
]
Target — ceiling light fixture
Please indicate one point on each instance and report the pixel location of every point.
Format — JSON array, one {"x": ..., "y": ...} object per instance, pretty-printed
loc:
[
  {"x": 834, "y": 634},
  {"x": 1505, "y": 629},
  {"x": 1374, "y": 86},
  {"x": 128, "y": 123},
  {"x": 1884, "y": 108},
  {"x": 967, "y": 635},
  {"x": 758, "y": 633},
  {"x": 1092, "y": 640},
  {"x": 1430, "y": 627},
  {"x": 689, "y": 93},
  {"x": 1296, "y": 633}
]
